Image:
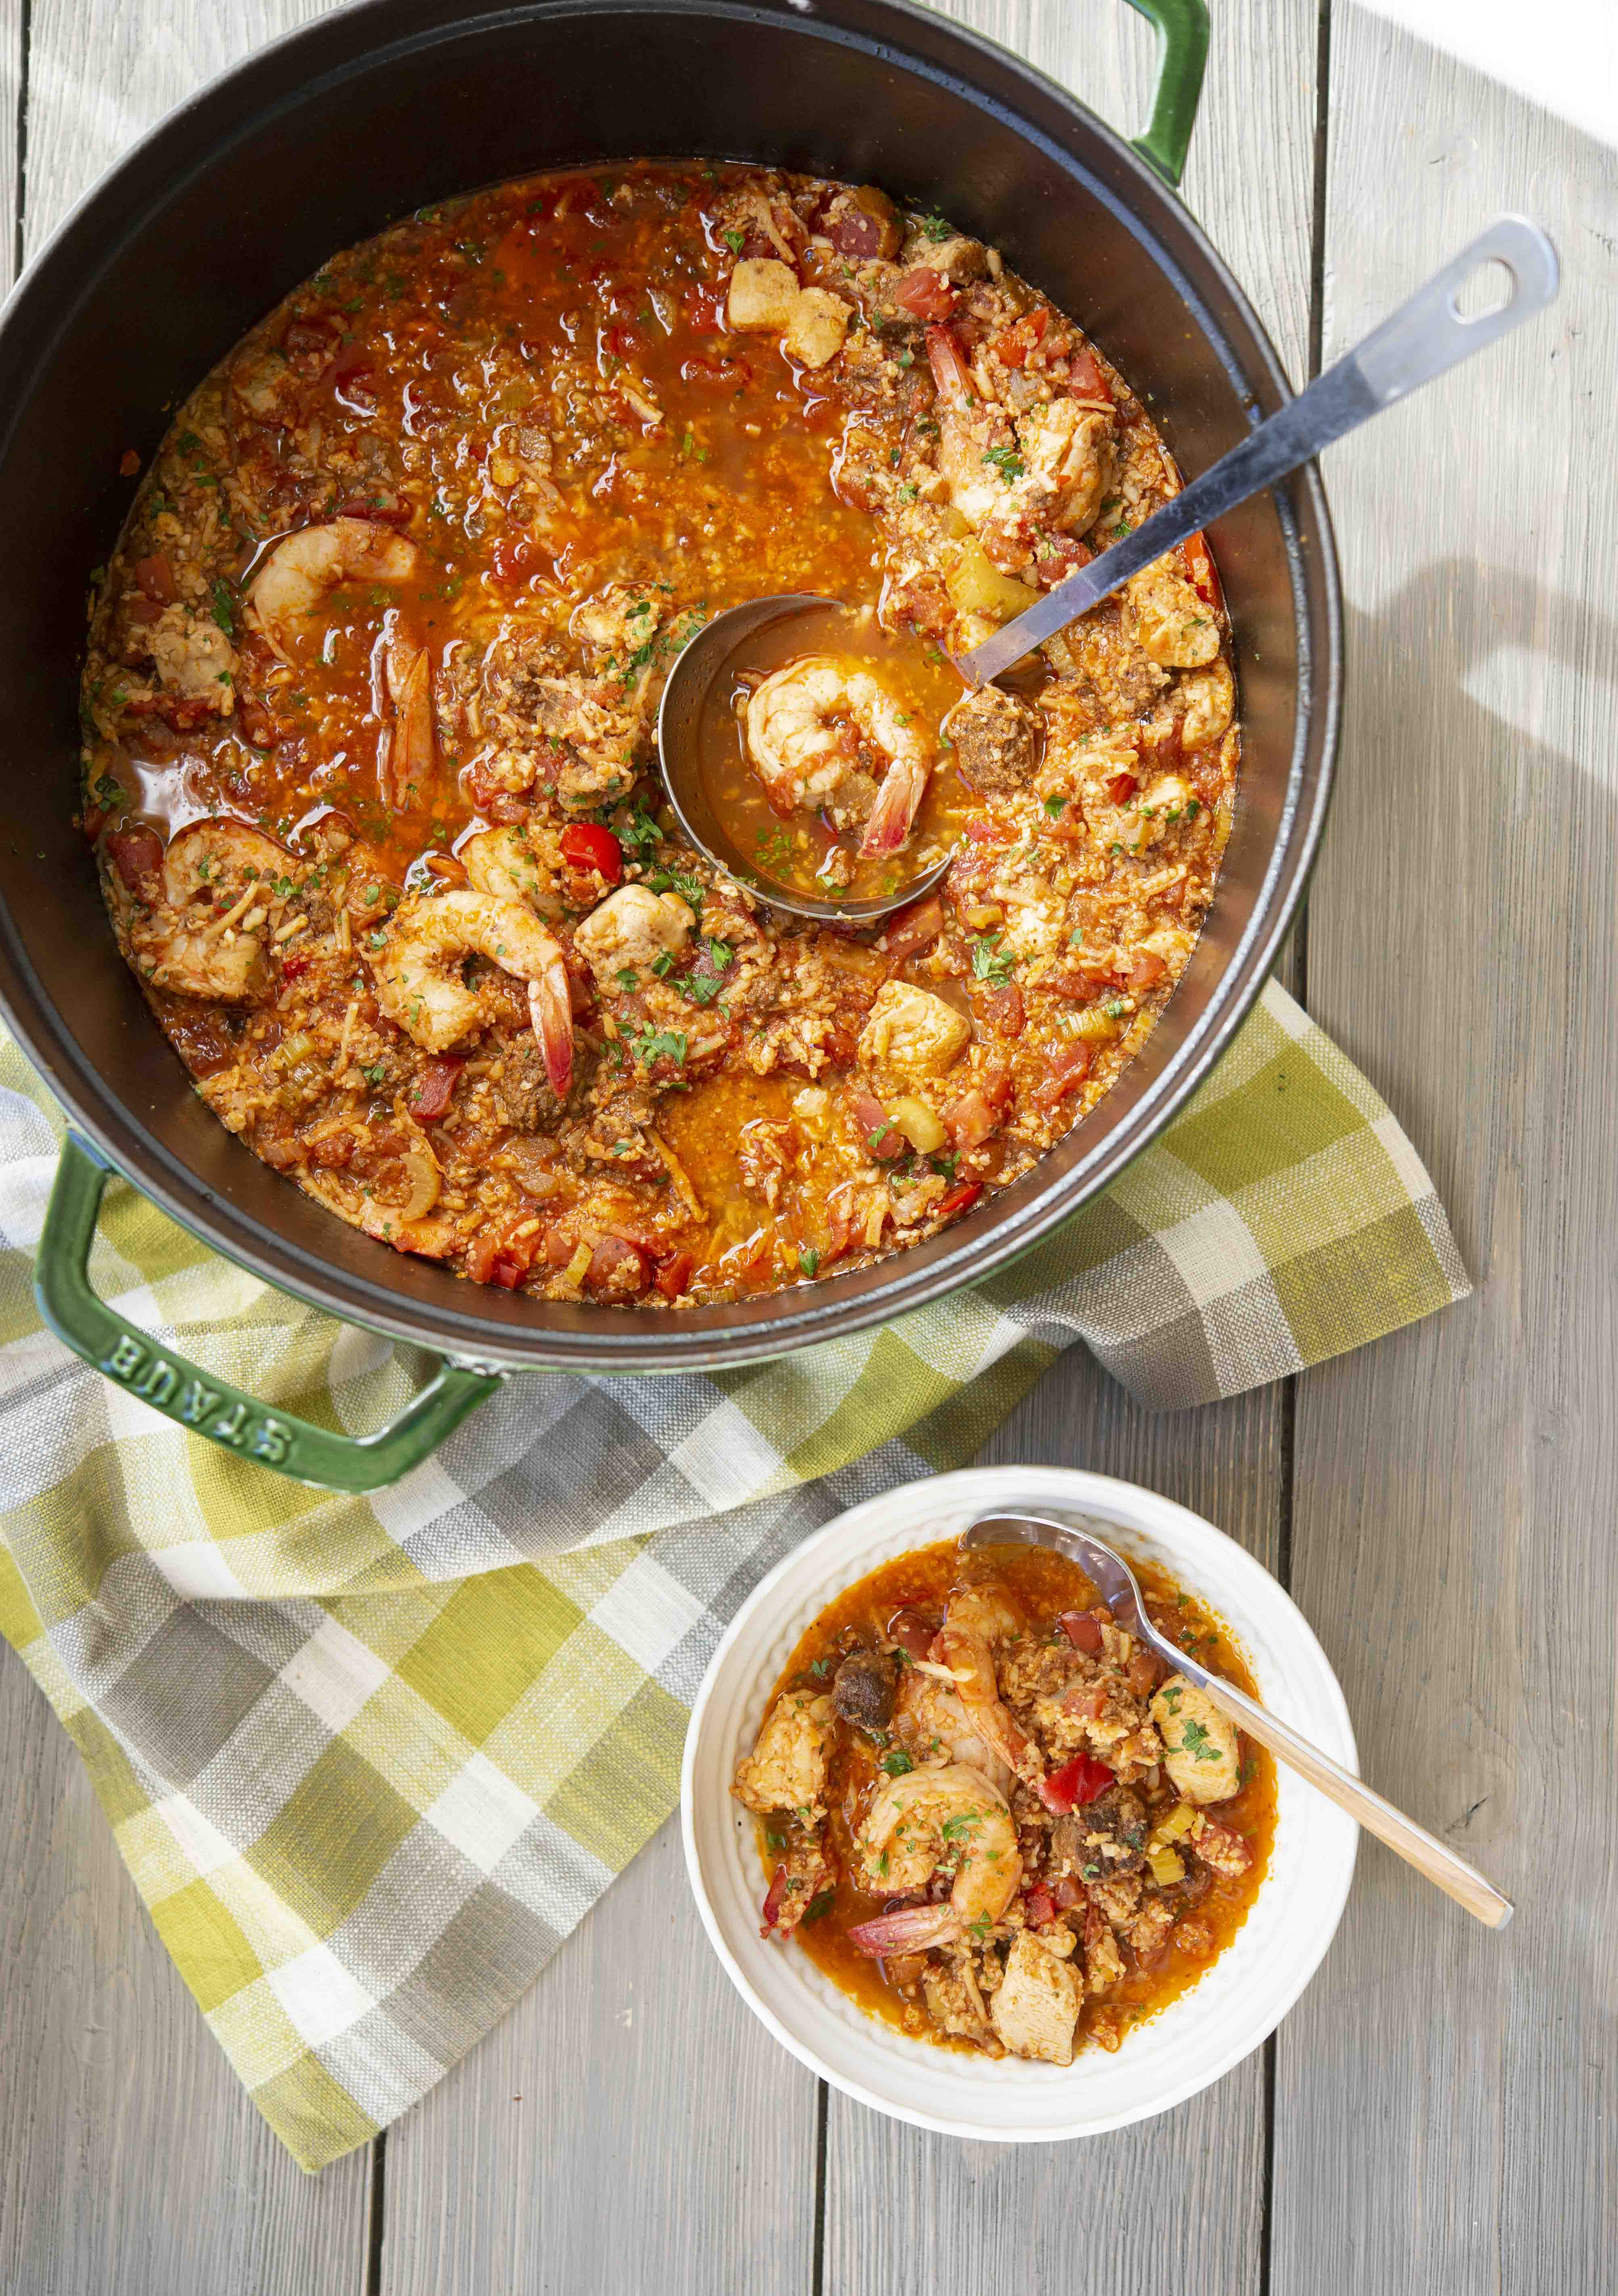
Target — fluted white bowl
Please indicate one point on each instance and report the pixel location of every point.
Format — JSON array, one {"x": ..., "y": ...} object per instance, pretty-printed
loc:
[{"x": 1194, "y": 2041}]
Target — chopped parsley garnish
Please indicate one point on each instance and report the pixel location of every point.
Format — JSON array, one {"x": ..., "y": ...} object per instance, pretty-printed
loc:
[
  {"x": 690, "y": 889},
  {"x": 733, "y": 241},
  {"x": 935, "y": 228},
  {"x": 821, "y": 1902},
  {"x": 376, "y": 1076},
  {"x": 655, "y": 1043},
  {"x": 1195, "y": 1740},
  {"x": 1056, "y": 806},
  {"x": 1006, "y": 461},
  {"x": 640, "y": 832},
  {"x": 897, "y": 1764},
  {"x": 224, "y": 612},
  {"x": 990, "y": 962},
  {"x": 627, "y": 978},
  {"x": 873, "y": 1140},
  {"x": 809, "y": 1260}
]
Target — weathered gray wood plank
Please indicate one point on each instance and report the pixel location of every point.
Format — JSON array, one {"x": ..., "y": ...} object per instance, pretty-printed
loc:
[
  {"x": 629, "y": 2126},
  {"x": 131, "y": 2162},
  {"x": 1445, "y": 2099},
  {"x": 905, "y": 2209}
]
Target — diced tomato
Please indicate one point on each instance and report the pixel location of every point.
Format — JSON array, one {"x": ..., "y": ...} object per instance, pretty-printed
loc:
[
  {"x": 1040, "y": 1907},
  {"x": 1146, "y": 969},
  {"x": 618, "y": 1270},
  {"x": 92, "y": 821},
  {"x": 970, "y": 1119},
  {"x": 433, "y": 1088},
  {"x": 1074, "y": 1784},
  {"x": 1200, "y": 570},
  {"x": 293, "y": 968},
  {"x": 924, "y": 293},
  {"x": 155, "y": 576},
  {"x": 964, "y": 1193},
  {"x": 514, "y": 557},
  {"x": 1081, "y": 982},
  {"x": 674, "y": 1276},
  {"x": 770, "y": 1912},
  {"x": 587, "y": 845},
  {"x": 1067, "y": 1071},
  {"x": 135, "y": 853},
  {"x": 1121, "y": 788},
  {"x": 879, "y": 1134},
  {"x": 502, "y": 1258},
  {"x": 1059, "y": 556},
  {"x": 912, "y": 930},
  {"x": 622, "y": 342},
  {"x": 984, "y": 829},
  {"x": 1085, "y": 379},
  {"x": 717, "y": 374},
  {"x": 332, "y": 1151},
  {"x": 1003, "y": 1011},
  {"x": 1082, "y": 1629},
  {"x": 1013, "y": 346}
]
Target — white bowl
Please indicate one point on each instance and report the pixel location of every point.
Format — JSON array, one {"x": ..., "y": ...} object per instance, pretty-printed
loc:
[{"x": 1198, "y": 2036}]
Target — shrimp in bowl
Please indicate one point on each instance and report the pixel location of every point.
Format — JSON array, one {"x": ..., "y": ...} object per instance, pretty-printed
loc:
[{"x": 975, "y": 1819}]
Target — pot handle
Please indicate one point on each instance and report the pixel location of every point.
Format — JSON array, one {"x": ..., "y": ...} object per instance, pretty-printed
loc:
[
  {"x": 198, "y": 1402},
  {"x": 1182, "y": 48}
]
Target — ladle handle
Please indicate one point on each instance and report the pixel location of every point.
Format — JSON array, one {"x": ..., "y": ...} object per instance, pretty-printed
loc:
[
  {"x": 1403, "y": 1836},
  {"x": 1423, "y": 338}
]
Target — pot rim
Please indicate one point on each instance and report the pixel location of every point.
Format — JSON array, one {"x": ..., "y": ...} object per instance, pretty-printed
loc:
[{"x": 1006, "y": 1225}]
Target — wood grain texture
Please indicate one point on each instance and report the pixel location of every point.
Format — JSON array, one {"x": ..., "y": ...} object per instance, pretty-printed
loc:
[
  {"x": 1455, "y": 1486},
  {"x": 629, "y": 2126},
  {"x": 132, "y": 2163}
]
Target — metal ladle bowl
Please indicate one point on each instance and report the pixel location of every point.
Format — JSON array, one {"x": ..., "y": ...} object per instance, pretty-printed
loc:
[{"x": 694, "y": 669}]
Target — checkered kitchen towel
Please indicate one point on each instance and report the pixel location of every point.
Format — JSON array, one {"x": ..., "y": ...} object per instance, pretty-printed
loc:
[{"x": 370, "y": 1760}]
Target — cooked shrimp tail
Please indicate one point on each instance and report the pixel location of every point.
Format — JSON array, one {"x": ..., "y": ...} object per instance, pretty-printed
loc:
[
  {"x": 903, "y": 787},
  {"x": 911, "y": 1930},
  {"x": 550, "y": 1010}
]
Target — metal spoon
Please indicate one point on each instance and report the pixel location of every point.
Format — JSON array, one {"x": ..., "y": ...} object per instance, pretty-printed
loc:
[
  {"x": 1423, "y": 338},
  {"x": 694, "y": 670},
  {"x": 1116, "y": 1583}
]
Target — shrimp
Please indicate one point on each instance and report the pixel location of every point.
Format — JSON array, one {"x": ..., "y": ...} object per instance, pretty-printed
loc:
[
  {"x": 504, "y": 862},
  {"x": 410, "y": 739},
  {"x": 929, "y": 1720},
  {"x": 389, "y": 1201},
  {"x": 975, "y": 1620},
  {"x": 418, "y": 972},
  {"x": 814, "y": 727},
  {"x": 949, "y": 1817},
  {"x": 219, "y": 881},
  {"x": 300, "y": 569},
  {"x": 1029, "y": 487}
]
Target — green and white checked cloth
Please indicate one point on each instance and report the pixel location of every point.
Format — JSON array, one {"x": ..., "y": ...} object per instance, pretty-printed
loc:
[{"x": 370, "y": 1760}]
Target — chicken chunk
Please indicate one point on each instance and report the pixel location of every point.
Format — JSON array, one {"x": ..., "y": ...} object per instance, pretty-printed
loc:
[
  {"x": 1171, "y": 621},
  {"x": 631, "y": 929},
  {"x": 1037, "y": 2006},
  {"x": 816, "y": 327},
  {"x": 912, "y": 1031},
  {"x": 787, "y": 1769},
  {"x": 194, "y": 658},
  {"x": 763, "y": 294},
  {"x": 996, "y": 738},
  {"x": 1209, "y": 696},
  {"x": 1201, "y": 1751}
]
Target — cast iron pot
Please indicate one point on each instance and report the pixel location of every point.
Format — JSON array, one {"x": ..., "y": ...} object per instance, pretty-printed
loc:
[{"x": 321, "y": 141}]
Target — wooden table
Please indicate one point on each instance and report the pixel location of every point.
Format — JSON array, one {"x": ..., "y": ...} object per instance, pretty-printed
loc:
[{"x": 1437, "y": 2113}]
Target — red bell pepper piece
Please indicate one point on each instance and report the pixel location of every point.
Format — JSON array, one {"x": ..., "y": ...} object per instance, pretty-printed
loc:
[
  {"x": 587, "y": 845},
  {"x": 1075, "y": 1783}
]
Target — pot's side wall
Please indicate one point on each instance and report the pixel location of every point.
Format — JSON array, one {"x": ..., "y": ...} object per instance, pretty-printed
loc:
[{"x": 322, "y": 142}]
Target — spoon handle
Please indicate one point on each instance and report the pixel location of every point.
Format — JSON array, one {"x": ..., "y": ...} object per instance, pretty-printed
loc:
[
  {"x": 1423, "y": 338},
  {"x": 1403, "y": 1836}
]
